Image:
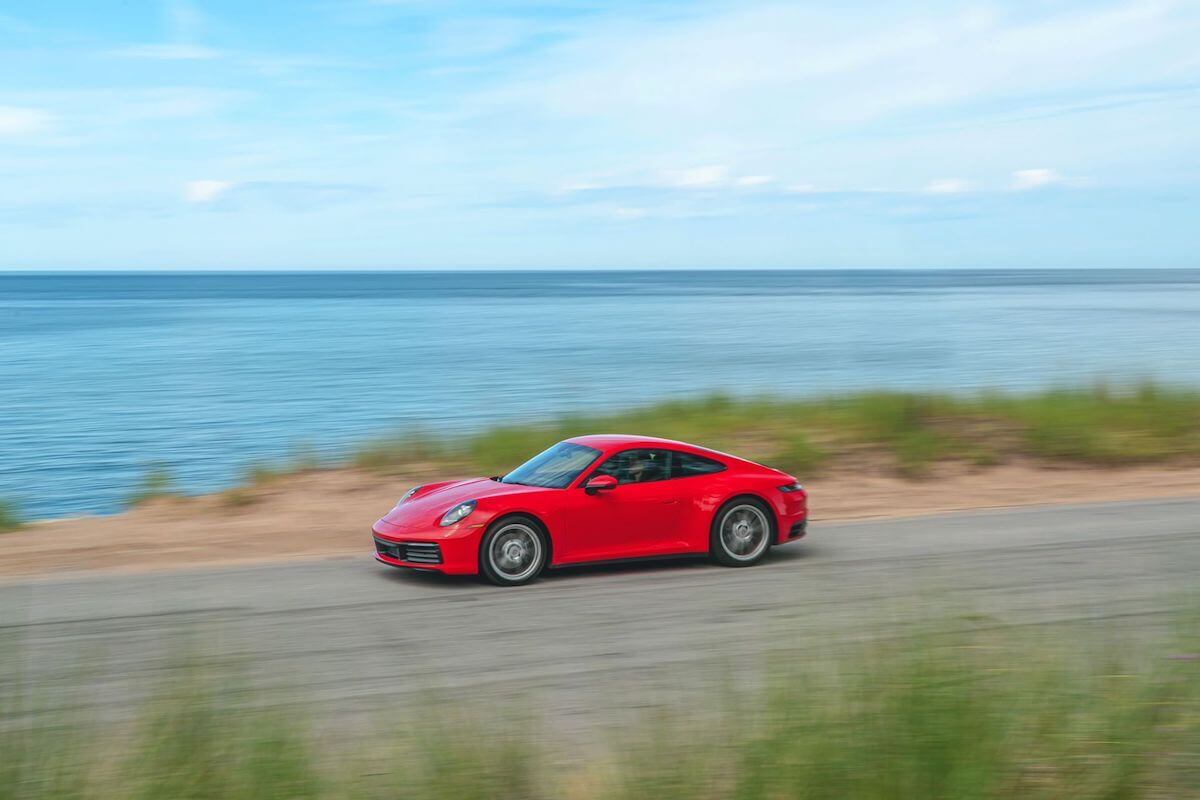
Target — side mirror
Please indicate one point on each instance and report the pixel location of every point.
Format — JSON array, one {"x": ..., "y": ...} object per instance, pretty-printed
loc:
[{"x": 600, "y": 483}]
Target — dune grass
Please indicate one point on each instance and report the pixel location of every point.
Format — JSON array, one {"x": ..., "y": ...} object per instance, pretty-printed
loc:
[
  {"x": 902, "y": 432},
  {"x": 10, "y": 516},
  {"x": 933, "y": 714},
  {"x": 1097, "y": 426},
  {"x": 156, "y": 483}
]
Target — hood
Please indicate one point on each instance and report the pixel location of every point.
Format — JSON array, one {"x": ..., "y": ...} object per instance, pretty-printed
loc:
[{"x": 429, "y": 505}]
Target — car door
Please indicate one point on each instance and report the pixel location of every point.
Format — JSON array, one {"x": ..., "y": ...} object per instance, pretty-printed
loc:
[{"x": 639, "y": 517}]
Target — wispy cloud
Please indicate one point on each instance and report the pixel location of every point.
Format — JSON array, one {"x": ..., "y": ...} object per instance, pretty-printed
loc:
[
  {"x": 512, "y": 123},
  {"x": 1024, "y": 179},
  {"x": 751, "y": 181},
  {"x": 948, "y": 186},
  {"x": 16, "y": 121},
  {"x": 702, "y": 177},
  {"x": 206, "y": 191},
  {"x": 287, "y": 195},
  {"x": 168, "y": 52},
  {"x": 184, "y": 23},
  {"x": 787, "y": 82}
]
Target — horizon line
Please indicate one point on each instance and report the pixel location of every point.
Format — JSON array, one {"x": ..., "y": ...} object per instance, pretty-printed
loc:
[{"x": 476, "y": 270}]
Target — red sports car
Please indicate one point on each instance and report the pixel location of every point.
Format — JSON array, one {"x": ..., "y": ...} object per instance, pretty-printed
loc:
[{"x": 595, "y": 498}]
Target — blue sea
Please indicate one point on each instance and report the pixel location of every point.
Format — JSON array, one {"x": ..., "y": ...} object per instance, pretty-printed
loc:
[{"x": 102, "y": 375}]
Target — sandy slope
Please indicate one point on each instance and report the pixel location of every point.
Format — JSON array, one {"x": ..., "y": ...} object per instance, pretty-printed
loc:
[{"x": 330, "y": 513}]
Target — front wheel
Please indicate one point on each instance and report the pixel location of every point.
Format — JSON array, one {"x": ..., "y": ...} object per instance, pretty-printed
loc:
[
  {"x": 741, "y": 533},
  {"x": 513, "y": 551}
]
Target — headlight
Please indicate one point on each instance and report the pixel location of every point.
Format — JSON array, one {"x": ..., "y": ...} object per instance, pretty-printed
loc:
[
  {"x": 408, "y": 494},
  {"x": 792, "y": 487},
  {"x": 459, "y": 512}
]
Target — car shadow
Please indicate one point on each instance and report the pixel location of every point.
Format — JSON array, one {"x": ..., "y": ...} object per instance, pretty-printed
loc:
[
  {"x": 795, "y": 551},
  {"x": 671, "y": 563},
  {"x": 433, "y": 580},
  {"x": 694, "y": 563},
  {"x": 600, "y": 568}
]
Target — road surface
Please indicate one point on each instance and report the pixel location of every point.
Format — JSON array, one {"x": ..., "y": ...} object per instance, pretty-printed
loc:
[{"x": 350, "y": 635}]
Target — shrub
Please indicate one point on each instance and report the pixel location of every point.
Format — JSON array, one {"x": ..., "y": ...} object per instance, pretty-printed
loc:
[
  {"x": 156, "y": 483},
  {"x": 10, "y": 516},
  {"x": 799, "y": 456}
]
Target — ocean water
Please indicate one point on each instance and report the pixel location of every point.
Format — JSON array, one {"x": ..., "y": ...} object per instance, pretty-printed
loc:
[{"x": 103, "y": 375}]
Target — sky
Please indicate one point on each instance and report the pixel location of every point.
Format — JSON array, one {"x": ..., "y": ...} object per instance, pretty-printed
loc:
[{"x": 412, "y": 134}]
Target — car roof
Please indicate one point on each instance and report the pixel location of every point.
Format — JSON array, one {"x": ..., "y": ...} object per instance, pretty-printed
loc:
[{"x": 609, "y": 441}]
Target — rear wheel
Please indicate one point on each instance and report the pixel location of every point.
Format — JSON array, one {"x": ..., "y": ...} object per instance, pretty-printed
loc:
[
  {"x": 513, "y": 551},
  {"x": 741, "y": 533}
]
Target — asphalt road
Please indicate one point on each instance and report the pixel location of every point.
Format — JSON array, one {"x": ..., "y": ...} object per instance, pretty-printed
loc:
[{"x": 350, "y": 635}]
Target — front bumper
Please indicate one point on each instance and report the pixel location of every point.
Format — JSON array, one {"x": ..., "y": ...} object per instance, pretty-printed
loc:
[{"x": 451, "y": 551}]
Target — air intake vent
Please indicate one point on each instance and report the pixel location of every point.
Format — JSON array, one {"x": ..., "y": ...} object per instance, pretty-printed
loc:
[{"x": 410, "y": 552}]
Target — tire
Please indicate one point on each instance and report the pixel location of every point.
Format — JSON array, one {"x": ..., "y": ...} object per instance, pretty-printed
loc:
[
  {"x": 514, "y": 551},
  {"x": 742, "y": 532}
]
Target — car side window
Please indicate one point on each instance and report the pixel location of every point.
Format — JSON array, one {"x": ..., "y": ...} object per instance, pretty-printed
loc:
[
  {"x": 639, "y": 466},
  {"x": 689, "y": 464}
]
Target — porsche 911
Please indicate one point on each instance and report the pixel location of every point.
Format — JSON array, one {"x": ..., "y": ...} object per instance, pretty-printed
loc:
[{"x": 595, "y": 498}]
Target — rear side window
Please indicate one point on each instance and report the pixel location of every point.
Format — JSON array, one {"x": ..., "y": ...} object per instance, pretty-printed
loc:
[{"x": 688, "y": 464}]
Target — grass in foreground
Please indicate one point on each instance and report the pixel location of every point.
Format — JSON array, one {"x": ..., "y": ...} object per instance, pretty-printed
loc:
[
  {"x": 1098, "y": 426},
  {"x": 982, "y": 715}
]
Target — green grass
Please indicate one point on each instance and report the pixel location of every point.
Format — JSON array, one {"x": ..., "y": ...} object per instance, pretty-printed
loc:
[
  {"x": 1100, "y": 426},
  {"x": 10, "y": 516},
  {"x": 1144, "y": 424},
  {"x": 155, "y": 484},
  {"x": 404, "y": 452},
  {"x": 936, "y": 714}
]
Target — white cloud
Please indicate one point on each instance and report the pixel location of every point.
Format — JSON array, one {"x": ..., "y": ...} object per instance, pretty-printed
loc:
[
  {"x": 811, "y": 92},
  {"x": 168, "y": 52},
  {"x": 17, "y": 121},
  {"x": 948, "y": 186},
  {"x": 1024, "y": 179},
  {"x": 134, "y": 107},
  {"x": 707, "y": 176},
  {"x": 206, "y": 191},
  {"x": 630, "y": 213},
  {"x": 766, "y": 59},
  {"x": 750, "y": 181},
  {"x": 704, "y": 177}
]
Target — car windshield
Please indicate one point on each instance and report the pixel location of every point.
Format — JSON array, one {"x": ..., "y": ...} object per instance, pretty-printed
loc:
[{"x": 553, "y": 468}]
